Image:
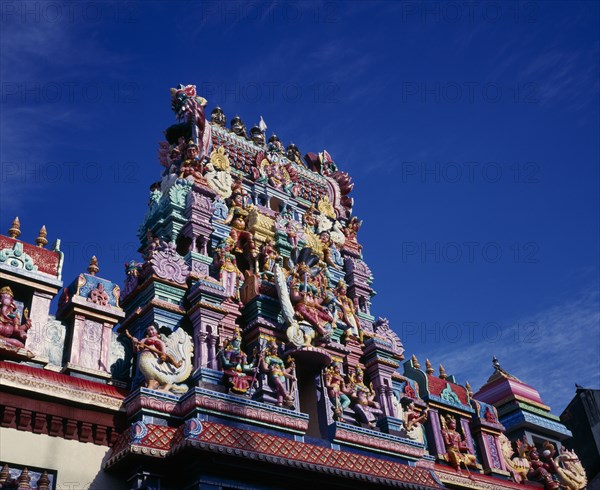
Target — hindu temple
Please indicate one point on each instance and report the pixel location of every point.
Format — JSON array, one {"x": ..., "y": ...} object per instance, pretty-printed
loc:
[{"x": 241, "y": 349}]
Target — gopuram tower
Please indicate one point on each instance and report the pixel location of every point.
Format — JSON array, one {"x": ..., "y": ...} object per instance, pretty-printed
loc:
[{"x": 246, "y": 354}]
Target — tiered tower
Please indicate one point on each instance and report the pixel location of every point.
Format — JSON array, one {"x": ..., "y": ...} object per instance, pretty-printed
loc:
[{"x": 242, "y": 351}]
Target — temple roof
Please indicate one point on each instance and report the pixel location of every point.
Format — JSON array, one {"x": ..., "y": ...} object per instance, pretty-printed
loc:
[{"x": 502, "y": 387}]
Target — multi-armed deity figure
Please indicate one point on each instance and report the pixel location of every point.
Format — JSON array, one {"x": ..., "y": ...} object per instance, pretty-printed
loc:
[
  {"x": 278, "y": 373},
  {"x": 234, "y": 361},
  {"x": 457, "y": 450},
  {"x": 304, "y": 297},
  {"x": 337, "y": 390},
  {"x": 363, "y": 400},
  {"x": 12, "y": 332}
]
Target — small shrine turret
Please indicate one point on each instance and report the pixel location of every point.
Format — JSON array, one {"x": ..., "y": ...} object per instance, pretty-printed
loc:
[
  {"x": 90, "y": 308},
  {"x": 521, "y": 410},
  {"x": 30, "y": 277}
]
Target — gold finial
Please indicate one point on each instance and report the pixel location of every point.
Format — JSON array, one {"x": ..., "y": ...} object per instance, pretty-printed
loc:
[
  {"x": 15, "y": 230},
  {"x": 24, "y": 479},
  {"x": 415, "y": 361},
  {"x": 469, "y": 391},
  {"x": 41, "y": 240},
  {"x": 93, "y": 267},
  {"x": 43, "y": 482},
  {"x": 5, "y": 473},
  {"x": 428, "y": 368},
  {"x": 443, "y": 374}
]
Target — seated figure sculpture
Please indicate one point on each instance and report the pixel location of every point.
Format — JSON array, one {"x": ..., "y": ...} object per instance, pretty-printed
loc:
[
  {"x": 238, "y": 373},
  {"x": 12, "y": 333}
]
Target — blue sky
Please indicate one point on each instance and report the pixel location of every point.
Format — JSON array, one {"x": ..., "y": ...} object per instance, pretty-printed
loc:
[{"x": 471, "y": 133}]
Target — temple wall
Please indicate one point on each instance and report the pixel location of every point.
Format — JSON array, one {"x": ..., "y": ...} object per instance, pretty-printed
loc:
[{"x": 78, "y": 464}]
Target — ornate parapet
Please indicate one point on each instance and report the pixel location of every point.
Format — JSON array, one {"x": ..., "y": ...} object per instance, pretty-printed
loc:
[{"x": 350, "y": 435}]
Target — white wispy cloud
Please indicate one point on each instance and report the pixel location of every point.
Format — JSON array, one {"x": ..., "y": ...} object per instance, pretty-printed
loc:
[{"x": 551, "y": 349}]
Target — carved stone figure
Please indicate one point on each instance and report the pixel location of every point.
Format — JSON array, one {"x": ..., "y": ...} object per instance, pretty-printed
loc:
[
  {"x": 413, "y": 420},
  {"x": 363, "y": 400},
  {"x": 337, "y": 390},
  {"x": 218, "y": 174},
  {"x": 541, "y": 472},
  {"x": 226, "y": 262},
  {"x": 348, "y": 311},
  {"x": 238, "y": 219},
  {"x": 164, "y": 361},
  {"x": 268, "y": 257},
  {"x": 12, "y": 332},
  {"x": 272, "y": 170},
  {"x": 518, "y": 465},
  {"x": 191, "y": 167},
  {"x": 287, "y": 225},
  {"x": 278, "y": 373},
  {"x": 236, "y": 369},
  {"x": 307, "y": 294},
  {"x": 457, "y": 451}
]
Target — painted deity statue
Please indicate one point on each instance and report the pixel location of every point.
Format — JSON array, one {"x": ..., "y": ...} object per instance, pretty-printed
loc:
[
  {"x": 165, "y": 362},
  {"x": 268, "y": 258},
  {"x": 226, "y": 262},
  {"x": 12, "y": 333},
  {"x": 278, "y": 373},
  {"x": 413, "y": 420},
  {"x": 348, "y": 311},
  {"x": 351, "y": 228},
  {"x": 191, "y": 167},
  {"x": 517, "y": 465},
  {"x": 331, "y": 255},
  {"x": 287, "y": 225},
  {"x": 563, "y": 472},
  {"x": 307, "y": 295},
  {"x": 304, "y": 297},
  {"x": 337, "y": 390},
  {"x": 238, "y": 219},
  {"x": 540, "y": 471},
  {"x": 237, "y": 371},
  {"x": 457, "y": 451},
  {"x": 271, "y": 168},
  {"x": 363, "y": 400}
]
